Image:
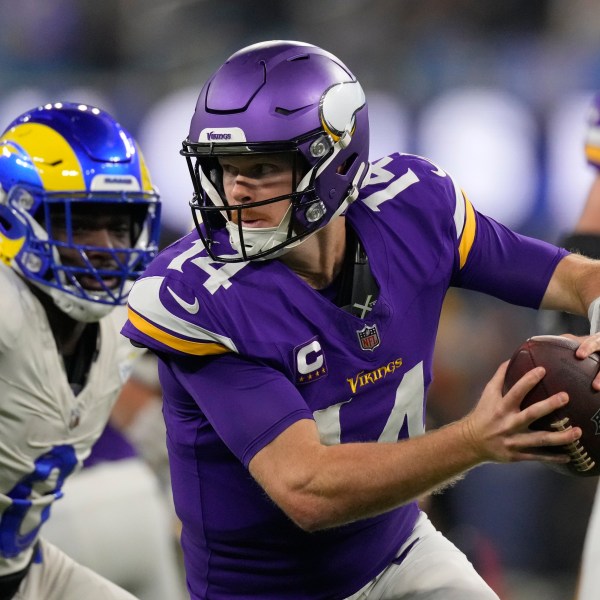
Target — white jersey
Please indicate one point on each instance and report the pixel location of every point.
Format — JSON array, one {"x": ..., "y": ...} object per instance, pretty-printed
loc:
[{"x": 45, "y": 430}]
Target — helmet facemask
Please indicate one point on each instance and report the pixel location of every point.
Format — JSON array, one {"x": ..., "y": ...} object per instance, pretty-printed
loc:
[
  {"x": 305, "y": 212},
  {"x": 67, "y": 169},
  {"x": 84, "y": 280}
]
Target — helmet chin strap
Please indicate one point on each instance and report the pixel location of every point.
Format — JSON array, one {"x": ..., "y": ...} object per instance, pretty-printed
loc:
[{"x": 259, "y": 239}]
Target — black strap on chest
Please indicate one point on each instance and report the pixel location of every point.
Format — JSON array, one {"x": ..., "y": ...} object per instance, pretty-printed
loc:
[
  {"x": 358, "y": 291},
  {"x": 9, "y": 584},
  {"x": 78, "y": 364}
]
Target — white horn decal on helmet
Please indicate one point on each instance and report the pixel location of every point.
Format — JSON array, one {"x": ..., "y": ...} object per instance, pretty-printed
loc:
[{"x": 338, "y": 106}]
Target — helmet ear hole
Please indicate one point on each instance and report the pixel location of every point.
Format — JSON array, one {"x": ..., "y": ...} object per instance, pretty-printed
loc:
[{"x": 347, "y": 164}]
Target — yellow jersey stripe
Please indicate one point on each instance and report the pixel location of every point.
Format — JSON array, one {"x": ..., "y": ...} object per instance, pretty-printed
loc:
[
  {"x": 468, "y": 233},
  {"x": 186, "y": 346}
]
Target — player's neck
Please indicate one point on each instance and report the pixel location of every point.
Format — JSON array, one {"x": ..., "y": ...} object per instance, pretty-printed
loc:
[
  {"x": 319, "y": 259},
  {"x": 66, "y": 331}
]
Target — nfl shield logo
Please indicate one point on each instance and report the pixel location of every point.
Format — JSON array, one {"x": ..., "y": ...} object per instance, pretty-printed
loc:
[{"x": 368, "y": 337}]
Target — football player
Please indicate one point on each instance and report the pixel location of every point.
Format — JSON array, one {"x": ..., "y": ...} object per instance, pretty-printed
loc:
[
  {"x": 585, "y": 239},
  {"x": 123, "y": 485},
  {"x": 79, "y": 220},
  {"x": 295, "y": 331}
]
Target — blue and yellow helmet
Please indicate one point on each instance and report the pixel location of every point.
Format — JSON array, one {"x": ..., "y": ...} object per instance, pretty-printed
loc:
[{"x": 58, "y": 158}]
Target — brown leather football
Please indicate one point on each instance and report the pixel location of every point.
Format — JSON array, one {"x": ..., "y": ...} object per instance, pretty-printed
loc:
[{"x": 564, "y": 373}]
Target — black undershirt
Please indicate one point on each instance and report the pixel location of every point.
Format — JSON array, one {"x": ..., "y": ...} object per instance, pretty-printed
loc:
[{"x": 77, "y": 364}]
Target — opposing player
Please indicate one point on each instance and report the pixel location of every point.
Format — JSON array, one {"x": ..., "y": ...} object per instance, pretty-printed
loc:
[
  {"x": 295, "y": 333},
  {"x": 123, "y": 485},
  {"x": 79, "y": 221}
]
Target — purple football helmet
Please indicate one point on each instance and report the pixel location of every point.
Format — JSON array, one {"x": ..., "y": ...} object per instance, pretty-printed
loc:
[{"x": 278, "y": 97}]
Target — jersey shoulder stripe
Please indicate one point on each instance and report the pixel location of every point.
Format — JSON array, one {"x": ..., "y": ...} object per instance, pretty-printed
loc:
[
  {"x": 148, "y": 315},
  {"x": 419, "y": 183},
  {"x": 171, "y": 341},
  {"x": 464, "y": 221},
  {"x": 467, "y": 235}
]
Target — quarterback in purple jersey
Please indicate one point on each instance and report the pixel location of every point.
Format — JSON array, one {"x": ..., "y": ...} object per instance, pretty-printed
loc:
[{"x": 295, "y": 331}]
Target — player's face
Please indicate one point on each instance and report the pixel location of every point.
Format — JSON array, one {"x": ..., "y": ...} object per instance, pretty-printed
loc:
[
  {"x": 251, "y": 179},
  {"x": 95, "y": 228}
]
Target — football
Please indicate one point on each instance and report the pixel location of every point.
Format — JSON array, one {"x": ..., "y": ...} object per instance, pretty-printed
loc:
[{"x": 564, "y": 373}]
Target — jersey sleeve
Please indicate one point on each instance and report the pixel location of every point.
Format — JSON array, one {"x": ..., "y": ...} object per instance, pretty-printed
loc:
[
  {"x": 248, "y": 409},
  {"x": 165, "y": 316},
  {"x": 489, "y": 257},
  {"x": 508, "y": 265},
  {"x": 592, "y": 138}
]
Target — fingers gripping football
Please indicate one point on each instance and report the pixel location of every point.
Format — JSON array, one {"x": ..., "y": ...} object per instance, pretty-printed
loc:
[
  {"x": 501, "y": 431},
  {"x": 571, "y": 367}
]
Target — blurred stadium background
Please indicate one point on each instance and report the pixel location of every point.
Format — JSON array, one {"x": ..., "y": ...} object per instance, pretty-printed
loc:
[{"x": 494, "y": 92}]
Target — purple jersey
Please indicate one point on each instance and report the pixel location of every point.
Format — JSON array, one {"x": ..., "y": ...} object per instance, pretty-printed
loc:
[
  {"x": 247, "y": 349},
  {"x": 592, "y": 138}
]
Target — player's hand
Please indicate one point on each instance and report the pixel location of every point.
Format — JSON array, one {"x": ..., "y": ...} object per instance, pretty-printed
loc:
[
  {"x": 588, "y": 344},
  {"x": 500, "y": 429}
]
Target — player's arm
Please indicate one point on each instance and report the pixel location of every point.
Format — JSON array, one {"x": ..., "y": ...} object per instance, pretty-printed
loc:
[
  {"x": 584, "y": 240},
  {"x": 323, "y": 486},
  {"x": 573, "y": 286},
  {"x": 585, "y": 237}
]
